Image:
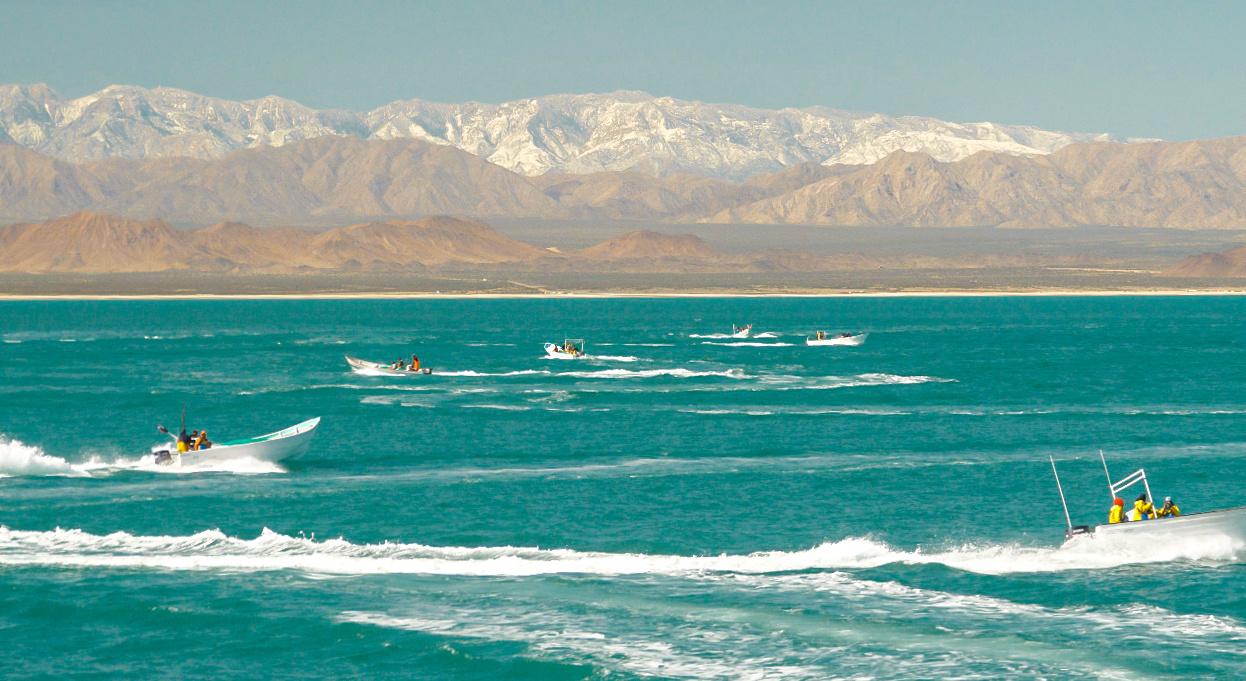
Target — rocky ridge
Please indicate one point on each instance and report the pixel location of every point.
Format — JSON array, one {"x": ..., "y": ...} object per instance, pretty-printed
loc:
[{"x": 568, "y": 134}]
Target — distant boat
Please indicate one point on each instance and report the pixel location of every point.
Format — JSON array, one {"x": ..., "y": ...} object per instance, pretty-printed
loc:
[
  {"x": 1230, "y": 522},
  {"x": 272, "y": 447},
  {"x": 840, "y": 339},
  {"x": 378, "y": 369},
  {"x": 741, "y": 331},
  {"x": 571, "y": 348}
]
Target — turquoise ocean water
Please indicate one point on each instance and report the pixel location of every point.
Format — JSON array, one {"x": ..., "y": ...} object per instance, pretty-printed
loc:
[{"x": 680, "y": 506}]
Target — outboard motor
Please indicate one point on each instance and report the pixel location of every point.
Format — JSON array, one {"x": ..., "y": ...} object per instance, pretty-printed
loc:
[
  {"x": 1077, "y": 530},
  {"x": 164, "y": 457}
]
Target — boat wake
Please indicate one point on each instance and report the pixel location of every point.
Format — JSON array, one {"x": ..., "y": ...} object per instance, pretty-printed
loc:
[
  {"x": 17, "y": 458},
  {"x": 748, "y": 344},
  {"x": 613, "y": 358},
  {"x": 271, "y": 551},
  {"x": 656, "y": 373},
  {"x": 469, "y": 373},
  {"x": 21, "y": 460}
]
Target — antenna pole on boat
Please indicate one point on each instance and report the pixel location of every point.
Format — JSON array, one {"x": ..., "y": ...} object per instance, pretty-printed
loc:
[
  {"x": 1060, "y": 488},
  {"x": 1111, "y": 491}
]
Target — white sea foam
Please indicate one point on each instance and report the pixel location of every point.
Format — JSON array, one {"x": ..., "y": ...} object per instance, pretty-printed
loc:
[
  {"x": 212, "y": 550},
  {"x": 483, "y": 374},
  {"x": 613, "y": 358},
  {"x": 914, "y": 601},
  {"x": 795, "y": 412},
  {"x": 394, "y": 400},
  {"x": 699, "y": 649},
  {"x": 17, "y": 458},
  {"x": 331, "y": 386},
  {"x": 724, "y": 412},
  {"x": 656, "y": 373},
  {"x": 748, "y": 344},
  {"x": 857, "y": 381}
]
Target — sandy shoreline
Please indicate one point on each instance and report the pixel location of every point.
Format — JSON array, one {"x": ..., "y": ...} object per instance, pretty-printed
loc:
[{"x": 419, "y": 295}]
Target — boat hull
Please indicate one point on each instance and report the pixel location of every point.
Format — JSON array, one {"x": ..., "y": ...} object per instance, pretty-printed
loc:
[
  {"x": 1228, "y": 522},
  {"x": 553, "y": 352},
  {"x": 363, "y": 366},
  {"x": 838, "y": 340},
  {"x": 272, "y": 447}
]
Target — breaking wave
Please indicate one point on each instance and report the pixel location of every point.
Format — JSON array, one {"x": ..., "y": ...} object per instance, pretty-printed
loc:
[
  {"x": 17, "y": 458},
  {"x": 213, "y": 550}
]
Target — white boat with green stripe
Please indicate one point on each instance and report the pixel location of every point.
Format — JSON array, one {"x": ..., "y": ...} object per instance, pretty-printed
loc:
[{"x": 271, "y": 447}]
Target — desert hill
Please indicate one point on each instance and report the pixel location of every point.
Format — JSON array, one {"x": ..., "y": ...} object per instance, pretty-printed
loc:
[
  {"x": 431, "y": 242},
  {"x": 93, "y": 242},
  {"x": 90, "y": 242},
  {"x": 1226, "y": 264},
  {"x": 632, "y": 195},
  {"x": 647, "y": 244}
]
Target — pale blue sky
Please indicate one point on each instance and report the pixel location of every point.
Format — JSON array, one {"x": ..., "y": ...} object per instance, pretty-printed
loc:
[{"x": 1162, "y": 69}]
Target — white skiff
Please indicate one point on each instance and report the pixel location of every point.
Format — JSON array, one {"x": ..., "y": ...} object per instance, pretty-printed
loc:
[
  {"x": 271, "y": 447},
  {"x": 363, "y": 366},
  {"x": 571, "y": 348},
  {"x": 1226, "y": 522},
  {"x": 842, "y": 339}
]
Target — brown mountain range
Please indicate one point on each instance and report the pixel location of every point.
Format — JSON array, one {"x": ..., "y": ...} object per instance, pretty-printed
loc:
[
  {"x": 328, "y": 178},
  {"x": 333, "y": 180},
  {"x": 1182, "y": 185}
]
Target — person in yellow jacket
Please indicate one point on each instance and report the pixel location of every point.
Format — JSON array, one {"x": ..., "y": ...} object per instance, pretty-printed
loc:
[
  {"x": 1143, "y": 508},
  {"x": 1169, "y": 509},
  {"x": 201, "y": 440},
  {"x": 1117, "y": 513}
]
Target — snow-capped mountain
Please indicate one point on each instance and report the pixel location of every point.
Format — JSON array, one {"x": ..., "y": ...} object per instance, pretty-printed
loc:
[{"x": 558, "y": 133}]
